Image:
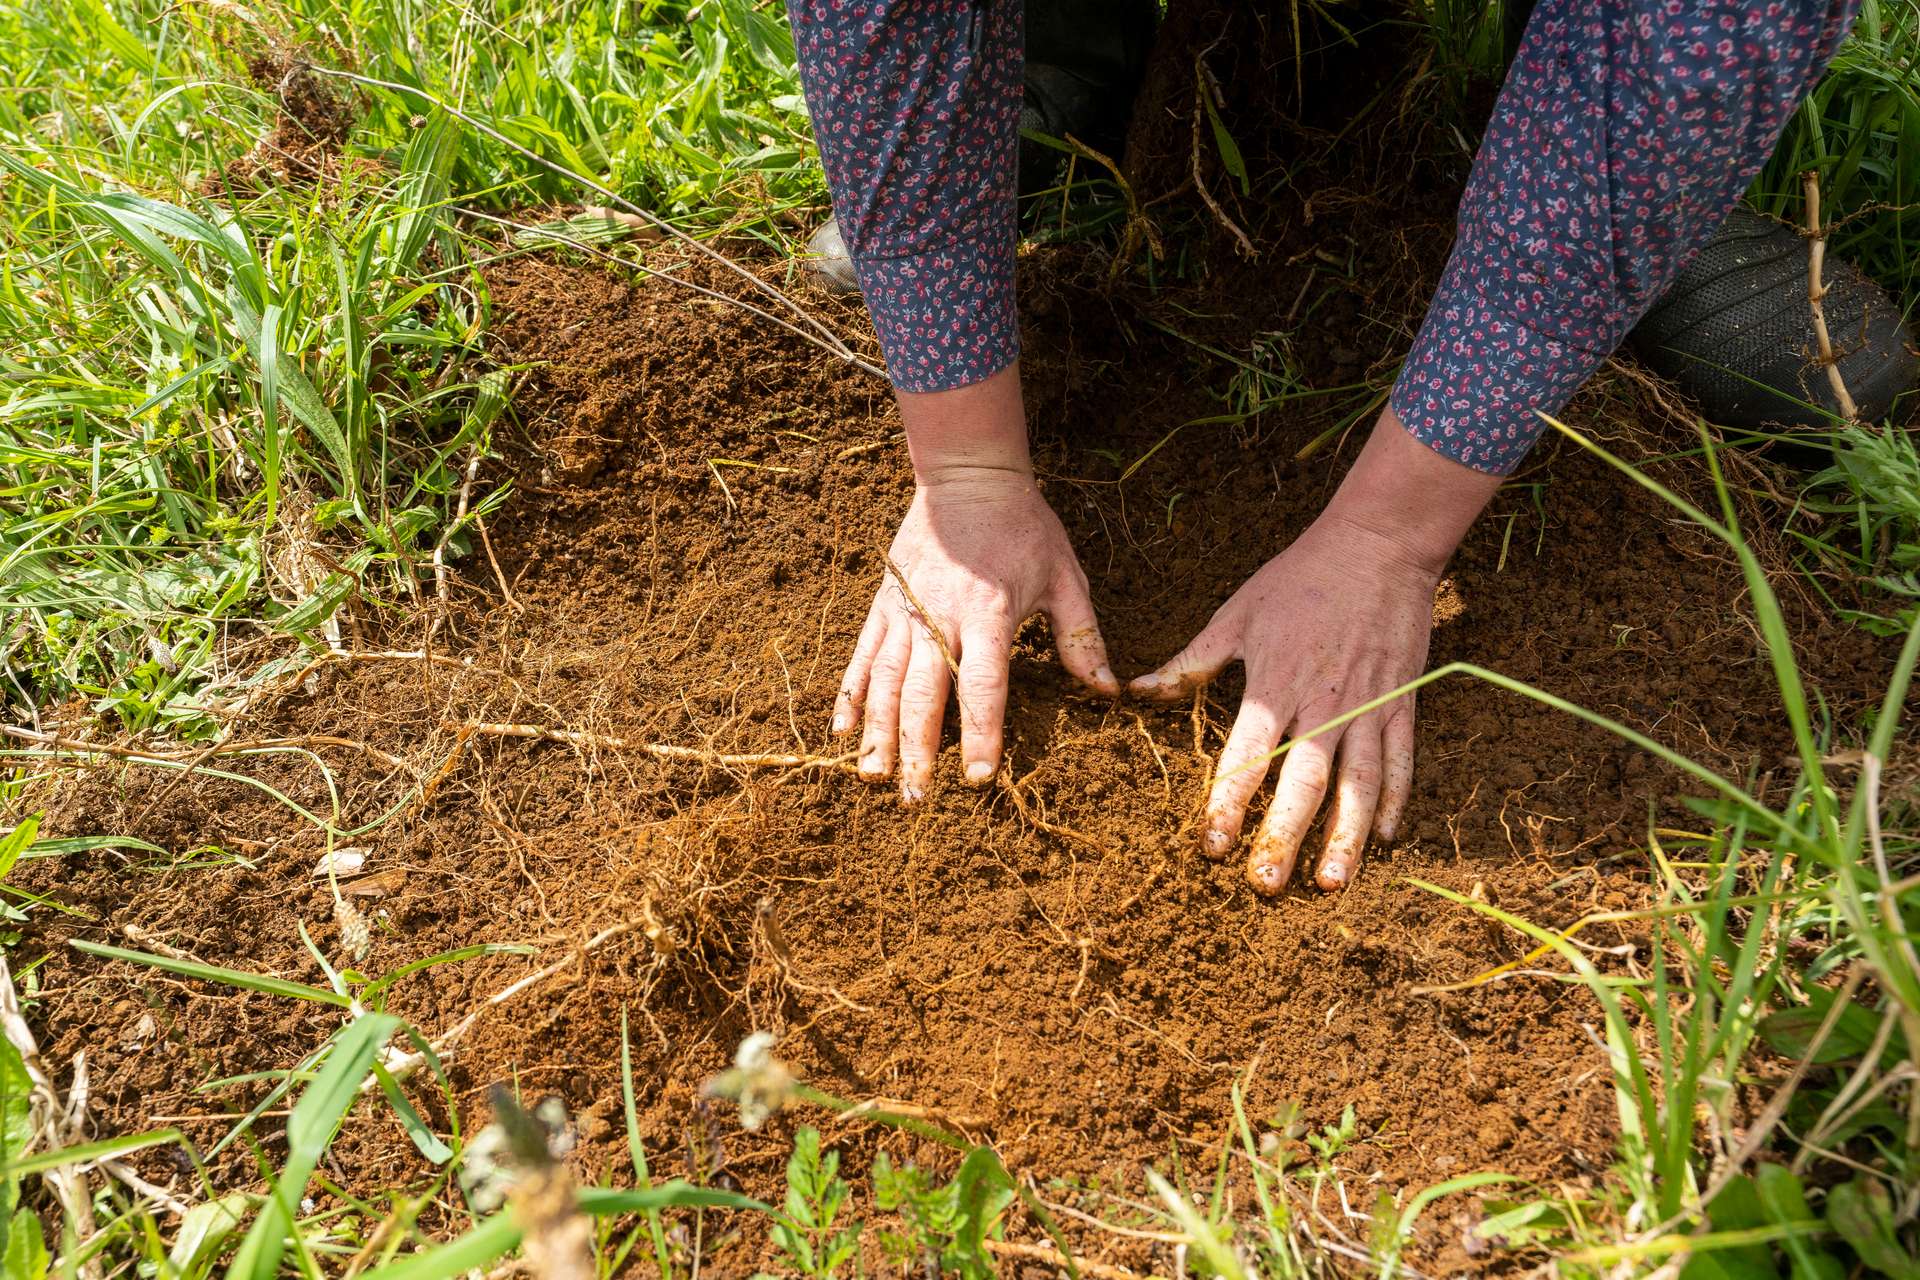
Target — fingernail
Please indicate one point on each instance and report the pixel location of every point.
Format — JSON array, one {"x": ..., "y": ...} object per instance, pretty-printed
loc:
[
  {"x": 1265, "y": 878},
  {"x": 1148, "y": 681},
  {"x": 979, "y": 771},
  {"x": 912, "y": 792},
  {"x": 871, "y": 768},
  {"x": 839, "y": 722},
  {"x": 1103, "y": 676},
  {"x": 1386, "y": 833},
  {"x": 1333, "y": 874},
  {"x": 1218, "y": 842}
]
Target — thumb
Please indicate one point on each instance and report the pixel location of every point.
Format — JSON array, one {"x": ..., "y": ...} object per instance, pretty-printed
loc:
[
  {"x": 1076, "y": 633},
  {"x": 1203, "y": 658}
]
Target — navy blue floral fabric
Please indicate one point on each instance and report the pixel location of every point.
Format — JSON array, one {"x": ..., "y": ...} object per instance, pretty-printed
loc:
[
  {"x": 916, "y": 108},
  {"x": 1625, "y": 131}
]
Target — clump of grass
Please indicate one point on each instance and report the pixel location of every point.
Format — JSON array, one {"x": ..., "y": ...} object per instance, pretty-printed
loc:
[
  {"x": 245, "y": 369},
  {"x": 1859, "y": 130},
  {"x": 1870, "y": 501}
]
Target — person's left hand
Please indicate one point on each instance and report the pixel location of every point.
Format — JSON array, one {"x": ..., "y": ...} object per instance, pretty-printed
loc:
[{"x": 1336, "y": 620}]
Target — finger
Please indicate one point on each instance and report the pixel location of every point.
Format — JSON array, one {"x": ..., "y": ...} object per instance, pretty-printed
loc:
[
  {"x": 1356, "y": 795},
  {"x": 852, "y": 698},
  {"x": 1076, "y": 633},
  {"x": 882, "y": 726},
  {"x": 1296, "y": 798},
  {"x": 1193, "y": 666},
  {"x": 1397, "y": 747},
  {"x": 984, "y": 650},
  {"x": 923, "y": 701},
  {"x": 1243, "y": 764}
]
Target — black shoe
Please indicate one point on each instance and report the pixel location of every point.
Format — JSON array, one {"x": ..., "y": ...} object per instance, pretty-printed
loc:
[{"x": 1735, "y": 333}]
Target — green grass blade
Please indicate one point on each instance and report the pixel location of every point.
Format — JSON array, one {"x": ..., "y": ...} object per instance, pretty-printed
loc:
[
  {"x": 213, "y": 973},
  {"x": 87, "y": 1152},
  {"x": 316, "y": 1117}
]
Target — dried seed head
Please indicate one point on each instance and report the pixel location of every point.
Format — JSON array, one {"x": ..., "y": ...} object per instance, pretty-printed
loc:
[
  {"x": 758, "y": 1082},
  {"x": 356, "y": 935}
]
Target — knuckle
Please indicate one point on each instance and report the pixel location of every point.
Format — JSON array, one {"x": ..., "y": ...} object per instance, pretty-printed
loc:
[
  {"x": 919, "y": 690},
  {"x": 1310, "y": 775},
  {"x": 1364, "y": 774}
]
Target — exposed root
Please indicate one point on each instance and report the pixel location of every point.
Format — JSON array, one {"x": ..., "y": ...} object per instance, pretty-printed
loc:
[
  {"x": 403, "y": 1063},
  {"x": 1033, "y": 818},
  {"x": 1205, "y": 87},
  {"x": 194, "y": 759},
  {"x": 1054, "y": 1258},
  {"x": 659, "y": 750}
]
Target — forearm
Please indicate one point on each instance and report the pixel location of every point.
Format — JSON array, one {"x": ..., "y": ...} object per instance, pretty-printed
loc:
[
  {"x": 1625, "y": 131},
  {"x": 916, "y": 113}
]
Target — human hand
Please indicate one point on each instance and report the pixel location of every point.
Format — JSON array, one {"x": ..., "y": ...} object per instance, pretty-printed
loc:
[
  {"x": 978, "y": 553},
  {"x": 1338, "y": 619},
  {"x": 1334, "y": 621}
]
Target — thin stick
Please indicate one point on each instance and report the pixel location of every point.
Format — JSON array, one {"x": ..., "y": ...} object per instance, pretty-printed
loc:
[
  {"x": 828, "y": 340},
  {"x": 926, "y": 621},
  {"x": 1816, "y": 295},
  {"x": 660, "y": 750},
  {"x": 1202, "y": 81},
  {"x": 1054, "y": 1258},
  {"x": 595, "y": 251}
]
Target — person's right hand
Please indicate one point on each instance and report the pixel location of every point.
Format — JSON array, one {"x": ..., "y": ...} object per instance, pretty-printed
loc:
[{"x": 980, "y": 552}]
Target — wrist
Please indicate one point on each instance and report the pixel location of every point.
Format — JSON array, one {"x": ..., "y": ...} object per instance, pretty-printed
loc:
[
  {"x": 1413, "y": 505},
  {"x": 974, "y": 434}
]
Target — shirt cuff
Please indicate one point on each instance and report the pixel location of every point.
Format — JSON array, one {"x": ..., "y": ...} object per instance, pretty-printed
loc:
[
  {"x": 945, "y": 317},
  {"x": 1477, "y": 379}
]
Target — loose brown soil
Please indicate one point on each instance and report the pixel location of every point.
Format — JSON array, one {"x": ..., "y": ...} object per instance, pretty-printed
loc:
[{"x": 1049, "y": 962}]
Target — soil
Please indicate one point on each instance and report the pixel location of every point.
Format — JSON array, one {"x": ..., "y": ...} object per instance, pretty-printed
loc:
[
  {"x": 313, "y": 120},
  {"x": 702, "y": 509}
]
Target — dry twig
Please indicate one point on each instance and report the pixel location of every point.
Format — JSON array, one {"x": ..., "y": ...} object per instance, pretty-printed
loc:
[
  {"x": 1054, "y": 1258},
  {"x": 1816, "y": 295},
  {"x": 659, "y": 750}
]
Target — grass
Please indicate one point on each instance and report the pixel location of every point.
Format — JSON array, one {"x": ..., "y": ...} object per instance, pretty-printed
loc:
[
  {"x": 234, "y": 407},
  {"x": 230, "y": 414},
  {"x": 1860, "y": 131}
]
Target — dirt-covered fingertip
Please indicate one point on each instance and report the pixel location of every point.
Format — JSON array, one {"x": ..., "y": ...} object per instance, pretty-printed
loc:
[
  {"x": 1267, "y": 878},
  {"x": 1335, "y": 874},
  {"x": 1216, "y": 838},
  {"x": 979, "y": 772},
  {"x": 1159, "y": 686}
]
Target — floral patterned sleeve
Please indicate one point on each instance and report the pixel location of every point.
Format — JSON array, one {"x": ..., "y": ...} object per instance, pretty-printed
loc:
[
  {"x": 1624, "y": 133},
  {"x": 916, "y": 110}
]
